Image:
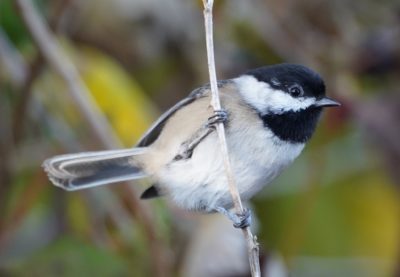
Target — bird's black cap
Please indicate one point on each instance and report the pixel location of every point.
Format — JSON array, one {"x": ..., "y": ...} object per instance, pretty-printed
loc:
[{"x": 282, "y": 76}]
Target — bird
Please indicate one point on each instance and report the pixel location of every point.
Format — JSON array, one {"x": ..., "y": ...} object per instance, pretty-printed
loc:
[{"x": 269, "y": 114}]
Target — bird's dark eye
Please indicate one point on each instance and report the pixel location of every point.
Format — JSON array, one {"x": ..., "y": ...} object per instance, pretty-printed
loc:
[{"x": 296, "y": 91}]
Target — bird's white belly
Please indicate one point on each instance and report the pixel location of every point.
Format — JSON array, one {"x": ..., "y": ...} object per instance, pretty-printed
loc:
[{"x": 199, "y": 183}]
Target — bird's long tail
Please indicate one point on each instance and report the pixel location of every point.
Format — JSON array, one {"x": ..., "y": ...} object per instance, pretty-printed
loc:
[{"x": 90, "y": 169}]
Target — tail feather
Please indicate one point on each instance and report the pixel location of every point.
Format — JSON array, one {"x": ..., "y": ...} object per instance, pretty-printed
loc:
[{"x": 90, "y": 169}]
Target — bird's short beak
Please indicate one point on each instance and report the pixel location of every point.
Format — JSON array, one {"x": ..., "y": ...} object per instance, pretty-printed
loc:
[{"x": 326, "y": 102}]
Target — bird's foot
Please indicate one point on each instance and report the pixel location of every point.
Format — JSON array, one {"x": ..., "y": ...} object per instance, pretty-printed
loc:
[
  {"x": 188, "y": 146},
  {"x": 239, "y": 220},
  {"x": 220, "y": 116}
]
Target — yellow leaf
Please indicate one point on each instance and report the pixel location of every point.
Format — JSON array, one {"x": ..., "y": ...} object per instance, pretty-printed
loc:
[{"x": 117, "y": 94}]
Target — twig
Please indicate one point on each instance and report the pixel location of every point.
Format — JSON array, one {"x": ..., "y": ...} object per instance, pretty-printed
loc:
[
  {"x": 252, "y": 245},
  {"x": 35, "y": 69},
  {"x": 19, "y": 114},
  {"x": 6, "y": 147},
  {"x": 17, "y": 214},
  {"x": 50, "y": 50}
]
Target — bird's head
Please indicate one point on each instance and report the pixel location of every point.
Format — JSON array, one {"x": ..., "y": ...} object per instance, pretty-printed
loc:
[
  {"x": 289, "y": 98},
  {"x": 284, "y": 88}
]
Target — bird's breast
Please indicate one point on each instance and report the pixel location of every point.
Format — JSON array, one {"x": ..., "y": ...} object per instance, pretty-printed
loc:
[{"x": 257, "y": 157}]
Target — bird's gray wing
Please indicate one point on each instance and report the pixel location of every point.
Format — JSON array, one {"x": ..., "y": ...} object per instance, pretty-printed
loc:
[{"x": 154, "y": 131}]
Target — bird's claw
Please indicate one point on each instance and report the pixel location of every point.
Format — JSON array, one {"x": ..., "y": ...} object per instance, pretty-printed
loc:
[
  {"x": 239, "y": 220},
  {"x": 242, "y": 220},
  {"x": 220, "y": 116}
]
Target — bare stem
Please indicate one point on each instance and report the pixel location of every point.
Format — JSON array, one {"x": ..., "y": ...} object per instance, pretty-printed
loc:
[{"x": 252, "y": 245}]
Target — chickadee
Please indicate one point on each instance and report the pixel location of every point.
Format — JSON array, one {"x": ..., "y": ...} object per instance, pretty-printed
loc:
[{"x": 269, "y": 114}]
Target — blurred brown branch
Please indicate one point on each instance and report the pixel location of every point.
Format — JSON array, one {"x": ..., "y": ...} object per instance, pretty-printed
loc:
[
  {"x": 55, "y": 57},
  {"x": 29, "y": 196},
  {"x": 35, "y": 69},
  {"x": 5, "y": 172}
]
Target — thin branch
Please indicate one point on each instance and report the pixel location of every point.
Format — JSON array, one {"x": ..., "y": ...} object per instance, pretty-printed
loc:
[
  {"x": 252, "y": 245},
  {"x": 25, "y": 95},
  {"x": 18, "y": 213},
  {"x": 35, "y": 69},
  {"x": 56, "y": 58}
]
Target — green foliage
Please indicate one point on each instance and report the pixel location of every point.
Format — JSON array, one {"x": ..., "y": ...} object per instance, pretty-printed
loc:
[
  {"x": 69, "y": 256},
  {"x": 12, "y": 23}
]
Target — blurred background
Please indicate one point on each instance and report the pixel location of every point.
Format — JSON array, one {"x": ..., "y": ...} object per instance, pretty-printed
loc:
[{"x": 109, "y": 68}]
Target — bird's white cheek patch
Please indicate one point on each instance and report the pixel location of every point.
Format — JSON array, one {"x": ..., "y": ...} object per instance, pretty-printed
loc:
[
  {"x": 266, "y": 99},
  {"x": 279, "y": 102}
]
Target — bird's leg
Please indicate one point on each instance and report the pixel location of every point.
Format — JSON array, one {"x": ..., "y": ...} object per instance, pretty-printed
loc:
[
  {"x": 188, "y": 146},
  {"x": 239, "y": 220}
]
